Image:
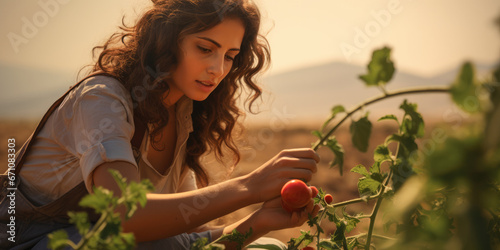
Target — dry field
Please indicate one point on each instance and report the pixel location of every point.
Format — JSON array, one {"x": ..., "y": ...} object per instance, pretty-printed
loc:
[
  {"x": 261, "y": 144},
  {"x": 341, "y": 187}
]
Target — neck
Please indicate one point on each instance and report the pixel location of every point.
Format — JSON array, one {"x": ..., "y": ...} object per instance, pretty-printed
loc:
[{"x": 170, "y": 99}]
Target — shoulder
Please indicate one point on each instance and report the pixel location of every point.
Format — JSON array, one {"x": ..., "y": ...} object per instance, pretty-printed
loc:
[
  {"x": 97, "y": 95},
  {"x": 102, "y": 84}
]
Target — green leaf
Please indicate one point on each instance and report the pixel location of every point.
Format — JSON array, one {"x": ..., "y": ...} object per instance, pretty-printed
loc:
[
  {"x": 382, "y": 154},
  {"x": 380, "y": 68},
  {"x": 305, "y": 238},
  {"x": 415, "y": 125},
  {"x": 350, "y": 221},
  {"x": 326, "y": 244},
  {"x": 113, "y": 227},
  {"x": 58, "y": 240},
  {"x": 389, "y": 117},
  {"x": 317, "y": 134},
  {"x": 335, "y": 110},
  {"x": 120, "y": 180},
  {"x": 463, "y": 90},
  {"x": 236, "y": 237},
  {"x": 81, "y": 221},
  {"x": 99, "y": 200},
  {"x": 360, "y": 169},
  {"x": 368, "y": 186},
  {"x": 375, "y": 172},
  {"x": 402, "y": 170},
  {"x": 128, "y": 239},
  {"x": 360, "y": 132},
  {"x": 375, "y": 168},
  {"x": 407, "y": 144},
  {"x": 339, "y": 235},
  {"x": 338, "y": 151}
]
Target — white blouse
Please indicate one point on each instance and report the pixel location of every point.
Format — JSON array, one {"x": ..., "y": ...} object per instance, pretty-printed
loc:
[{"x": 94, "y": 124}]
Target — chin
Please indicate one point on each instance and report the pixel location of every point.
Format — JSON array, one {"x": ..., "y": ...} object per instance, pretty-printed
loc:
[{"x": 198, "y": 98}]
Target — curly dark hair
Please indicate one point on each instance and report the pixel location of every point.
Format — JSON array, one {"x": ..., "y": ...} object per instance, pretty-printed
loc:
[{"x": 143, "y": 56}]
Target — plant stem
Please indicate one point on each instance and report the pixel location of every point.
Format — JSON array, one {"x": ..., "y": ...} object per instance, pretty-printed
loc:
[
  {"x": 430, "y": 89},
  {"x": 373, "y": 216},
  {"x": 364, "y": 216},
  {"x": 93, "y": 231},
  {"x": 344, "y": 243},
  {"x": 374, "y": 236},
  {"x": 318, "y": 232},
  {"x": 357, "y": 200}
]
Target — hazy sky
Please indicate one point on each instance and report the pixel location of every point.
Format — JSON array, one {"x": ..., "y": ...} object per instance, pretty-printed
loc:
[{"x": 427, "y": 36}]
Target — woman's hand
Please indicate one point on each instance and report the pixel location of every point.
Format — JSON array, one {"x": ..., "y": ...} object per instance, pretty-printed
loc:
[
  {"x": 266, "y": 181},
  {"x": 272, "y": 216}
]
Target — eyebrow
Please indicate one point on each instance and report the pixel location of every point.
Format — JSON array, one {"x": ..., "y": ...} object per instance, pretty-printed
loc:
[{"x": 216, "y": 43}]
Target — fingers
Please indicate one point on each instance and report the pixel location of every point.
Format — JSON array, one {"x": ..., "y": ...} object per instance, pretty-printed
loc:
[
  {"x": 300, "y": 217},
  {"x": 297, "y": 173},
  {"x": 311, "y": 208},
  {"x": 306, "y": 153},
  {"x": 293, "y": 162}
]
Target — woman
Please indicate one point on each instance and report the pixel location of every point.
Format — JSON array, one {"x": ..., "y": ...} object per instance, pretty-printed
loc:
[{"x": 162, "y": 94}]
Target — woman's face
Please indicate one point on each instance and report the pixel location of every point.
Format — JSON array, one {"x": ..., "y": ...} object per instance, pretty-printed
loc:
[{"x": 205, "y": 59}]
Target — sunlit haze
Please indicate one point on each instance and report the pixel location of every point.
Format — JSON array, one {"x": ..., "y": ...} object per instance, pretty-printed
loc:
[
  {"x": 46, "y": 42},
  {"x": 427, "y": 36}
]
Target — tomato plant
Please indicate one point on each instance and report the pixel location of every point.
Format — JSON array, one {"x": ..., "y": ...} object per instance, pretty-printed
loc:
[{"x": 426, "y": 192}]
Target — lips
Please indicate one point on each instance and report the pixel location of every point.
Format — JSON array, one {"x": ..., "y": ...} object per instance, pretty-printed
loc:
[{"x": 206, "y": 83}]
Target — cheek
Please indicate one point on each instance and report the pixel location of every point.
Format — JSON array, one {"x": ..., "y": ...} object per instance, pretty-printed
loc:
[{"x": 228, "y": 69}]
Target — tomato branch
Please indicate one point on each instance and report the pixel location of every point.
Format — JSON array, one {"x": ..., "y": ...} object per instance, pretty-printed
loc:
[
  {"x": 373, "y": 215},
  {"x": 387, "y": 95},
  {"x": 357, "y": 200},
  {"x": 373, "y": 235},
  {"x": 100, "y": 224}
]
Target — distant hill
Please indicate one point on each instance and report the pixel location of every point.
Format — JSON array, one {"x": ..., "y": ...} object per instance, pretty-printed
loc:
[
  {"x": 309, "y": 93},
  {"x": 294, "y": 96}
]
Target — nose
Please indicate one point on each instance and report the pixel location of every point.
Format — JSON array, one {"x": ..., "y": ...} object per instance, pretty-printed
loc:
[{"x": 216, "y": 67}]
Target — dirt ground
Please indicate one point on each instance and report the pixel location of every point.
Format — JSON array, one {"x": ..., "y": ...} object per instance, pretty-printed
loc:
[{"x": 262, "y": 143}]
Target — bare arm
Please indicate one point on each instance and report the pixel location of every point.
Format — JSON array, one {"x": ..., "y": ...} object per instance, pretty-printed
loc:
[{"x": 166, "y": 215}]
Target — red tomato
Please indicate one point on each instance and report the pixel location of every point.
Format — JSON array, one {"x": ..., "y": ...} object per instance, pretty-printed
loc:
[
  {"x": 307, "y": 248},
  {"x": 295, "y": 194},
  {"x": 314, "y": 191},
  {"x": 328, "y": 198}
]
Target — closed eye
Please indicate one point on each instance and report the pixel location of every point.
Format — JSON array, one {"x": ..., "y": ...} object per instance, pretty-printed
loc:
[{"x": 204, "y": 50}]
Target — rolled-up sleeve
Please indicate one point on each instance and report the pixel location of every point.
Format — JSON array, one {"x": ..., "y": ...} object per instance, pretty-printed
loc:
[{"x": 101, "y": 127}]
